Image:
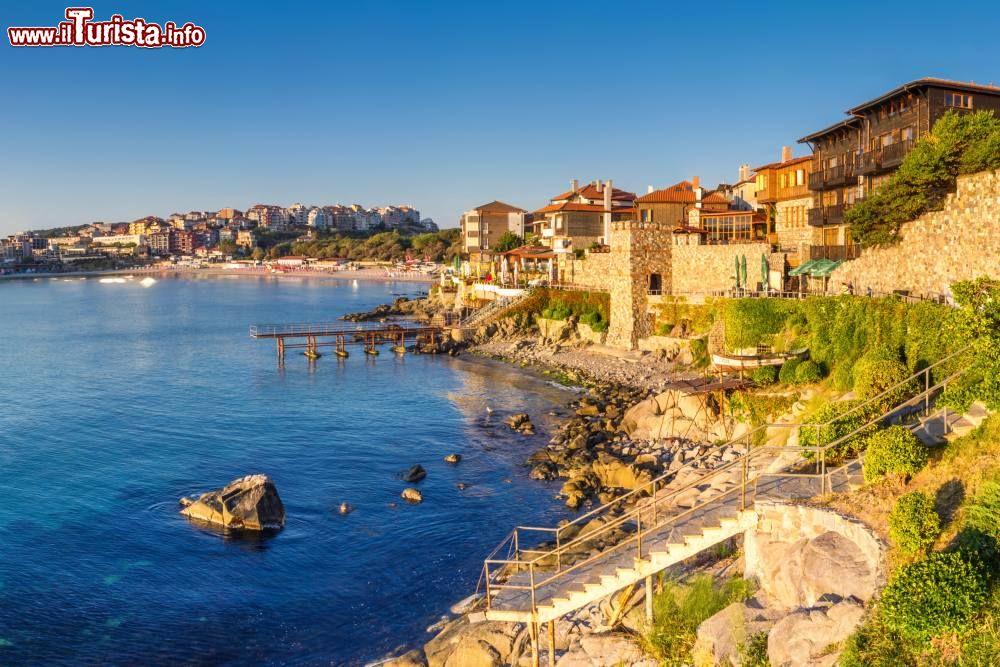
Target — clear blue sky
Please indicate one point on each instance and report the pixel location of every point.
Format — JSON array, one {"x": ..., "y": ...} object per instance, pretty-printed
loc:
[{"x": 443, "y": 105}]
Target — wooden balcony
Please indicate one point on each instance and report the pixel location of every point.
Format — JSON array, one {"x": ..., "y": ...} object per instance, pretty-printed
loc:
[
  {"x": 884, "y": 158},
  {"x": 826, "y": 215},
  {"x": 834, "y": 177},
  {"x": 835, "y": 252}
]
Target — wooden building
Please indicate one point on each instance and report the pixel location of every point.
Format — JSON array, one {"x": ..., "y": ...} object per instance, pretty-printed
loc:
[
  {"x": 855, "y": 156},
  {"x": 782, "y": 190}
]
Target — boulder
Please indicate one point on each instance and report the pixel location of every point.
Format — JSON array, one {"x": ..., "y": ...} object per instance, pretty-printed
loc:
[
  {"x": 248, "y": 503},
  {"x": 720, "y": 636},
  {"x": 414, "y": 658},
  {"x": 472, "y": 652},
  {"x": 412, "y": 495},
  {"x": 414, "y": 474},
  {"x": 615, "y": 474},
  {"x": 800, "y": 573},
  {"x": 453, "y": 458},
  {"x": 811, "y": 637}
]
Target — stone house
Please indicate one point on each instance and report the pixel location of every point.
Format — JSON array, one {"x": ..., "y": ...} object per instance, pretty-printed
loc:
[
  {"x": 582, "y": 216},
  {"x": 782, "y": 190}
]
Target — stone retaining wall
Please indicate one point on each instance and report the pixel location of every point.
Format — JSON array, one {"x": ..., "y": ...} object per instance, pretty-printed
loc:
[
  {"x": 591, "y": 272},
  {"x": 787, "y": 522},
  {"x": 960, "y": 242},
  {"x": 706, "y": 268}
]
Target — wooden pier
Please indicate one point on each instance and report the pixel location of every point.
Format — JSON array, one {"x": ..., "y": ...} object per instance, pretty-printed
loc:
[{"x": 310, "y": 336}]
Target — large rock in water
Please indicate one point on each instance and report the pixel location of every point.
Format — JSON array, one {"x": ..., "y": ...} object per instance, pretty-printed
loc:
[{"x": 249, "y": 503}]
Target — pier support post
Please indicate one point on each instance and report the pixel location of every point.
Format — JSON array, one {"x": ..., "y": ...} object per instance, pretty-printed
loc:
[
  {"x": 552, "y": 643},
  {"x": 534, "y": 645},
  {"x": 649, "y": 599},
  {"x": 281, "y": 350}
]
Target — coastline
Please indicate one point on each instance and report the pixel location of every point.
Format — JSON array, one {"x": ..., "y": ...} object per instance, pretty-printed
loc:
[{"x": 359, "y": 274}]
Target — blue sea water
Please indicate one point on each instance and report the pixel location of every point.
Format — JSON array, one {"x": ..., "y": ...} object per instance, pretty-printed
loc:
[{"x": 116, "y": 399}]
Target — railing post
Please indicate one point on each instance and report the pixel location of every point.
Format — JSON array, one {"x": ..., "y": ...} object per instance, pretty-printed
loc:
[
  {"x": 927, "y": 391},
  {"x": 517, "y": 553},
  {"x": 743, "y": 483},
  {"x": 822, "y": 471},
  {"x": 489, "y": 601},
  {"x": 531, "y": 579},
  {"x": 558, "y": 554},
  {"x": 638, "y": 523}
]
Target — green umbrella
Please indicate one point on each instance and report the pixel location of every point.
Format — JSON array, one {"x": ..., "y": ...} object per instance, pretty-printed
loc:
[
  {"x": 737, "y": 272},
  {"x": 763, "y": 270},
  {"x": 743, "y": 270}
]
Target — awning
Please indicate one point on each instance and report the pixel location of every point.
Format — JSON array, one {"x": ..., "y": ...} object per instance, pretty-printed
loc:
[
  {"x": 824, "y": 267},
  {"x": 817, "y": 268},
  {"x": 803, "y": 268}
]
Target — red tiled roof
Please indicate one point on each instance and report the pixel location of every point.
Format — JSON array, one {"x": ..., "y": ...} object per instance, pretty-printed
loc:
[
  {"x": 590, "y": 191},
  {"x": 714, "y": 198},
  {"x": 592, "y": 208},
  {"x": 499, "y": 206},
  {"x": 534, "y": 251},
  {"x": 681, "y": 193}
]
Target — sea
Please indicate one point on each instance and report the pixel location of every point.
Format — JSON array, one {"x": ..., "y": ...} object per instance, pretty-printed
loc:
[{"x": 118, "y": 398}]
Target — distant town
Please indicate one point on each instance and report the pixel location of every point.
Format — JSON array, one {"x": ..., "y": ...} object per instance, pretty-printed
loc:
[{"x": 201, "y": 236}]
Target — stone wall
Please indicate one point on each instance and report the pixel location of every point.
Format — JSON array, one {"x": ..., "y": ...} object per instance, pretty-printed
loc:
[
  {"x": 792, "y": 228},
  {"x": 779, "y": 522},
  {"x": 960, "y": 242},
  {"x": 638, "y": 249},
  {"x": 705, "y": 268},
  {"x": 591, "y": 272}
]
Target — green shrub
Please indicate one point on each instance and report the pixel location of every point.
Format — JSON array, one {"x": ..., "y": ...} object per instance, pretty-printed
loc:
[
  {"x": 876, "y": 374},
  {"x": 808, "y": 372},
  {"x": 752, "y": 322},
  {"x": 788, "y": 369},
  {"x": 753, "y": 652},
  {"x": 680, "y": 608},
  {"x": 941, "y": 593},
  {"x": 914, "y": 523},
  {"x": 834, "y": 423},
  {"x": 765, "y": 375},
  {"x": 875, "y": 644},
  {"x": 894, "y": 450},
  {"x": 983, "y": 511}
]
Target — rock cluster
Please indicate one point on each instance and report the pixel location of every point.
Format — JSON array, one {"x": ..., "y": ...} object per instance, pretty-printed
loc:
[
  {"x": 601, "y": 452},
  {"x": 248, "y": 503},
  {"x": 521, "y": 423}
]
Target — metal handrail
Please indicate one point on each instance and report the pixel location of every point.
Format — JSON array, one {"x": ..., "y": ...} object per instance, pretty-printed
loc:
[{"x": 636, "y": 512}]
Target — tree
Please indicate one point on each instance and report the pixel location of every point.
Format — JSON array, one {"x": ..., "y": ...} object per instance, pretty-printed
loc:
[
  {"x": 227, "y": 247},
  {"x": 257, "y": 254},
  {"x": 508, "y": 241}
]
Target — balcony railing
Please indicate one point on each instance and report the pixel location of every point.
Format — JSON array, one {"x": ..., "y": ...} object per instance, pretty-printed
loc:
[
  {"x": 823, "y": 179},
  {"x": 885, "y": 157},
  {"x": 826, "y": 215}
]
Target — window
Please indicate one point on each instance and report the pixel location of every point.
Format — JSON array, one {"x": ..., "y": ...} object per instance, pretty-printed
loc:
[
  {"x": 958, "y": 100},
  {"x": 781, "y": 180},
  {"x": 761, "y": 182},
  {"x": 907, "y": 133},
  {"x": 655, "y": 283},
  {"x": 800, "y": 176},
  {"x": 646, "y": 215}
]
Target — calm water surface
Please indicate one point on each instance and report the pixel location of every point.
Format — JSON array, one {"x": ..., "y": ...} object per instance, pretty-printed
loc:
[{"x": 116, "y": 399}]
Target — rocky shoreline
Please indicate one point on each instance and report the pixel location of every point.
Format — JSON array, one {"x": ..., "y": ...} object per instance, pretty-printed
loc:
[{"x": 612, "y": 442}]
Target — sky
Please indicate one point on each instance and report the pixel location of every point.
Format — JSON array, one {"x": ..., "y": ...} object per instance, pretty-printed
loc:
[{"x": 443, "y": 105}]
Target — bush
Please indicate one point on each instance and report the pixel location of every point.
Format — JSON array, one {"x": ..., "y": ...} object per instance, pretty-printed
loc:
[
  {"x": 874, "y": 644},
  {"x": 914, "y": 523},
  {"x": 894, "y": 450},
  {"x": 835, "y": 424},
  {"x": 681, "y": 608},
  {"x": 765, "y": 375},
  {"x": 788, "y": 369},
  {"x": 808, "y": 372},
  {"x": 876, "y": 375},
  {"x": 752, "y": 322},
  {"x": 941, "y": 593}
]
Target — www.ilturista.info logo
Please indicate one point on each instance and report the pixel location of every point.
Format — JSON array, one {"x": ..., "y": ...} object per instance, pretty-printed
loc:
[{"x": 80, "y": 30}]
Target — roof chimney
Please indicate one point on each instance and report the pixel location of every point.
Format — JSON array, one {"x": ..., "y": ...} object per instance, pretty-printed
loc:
[
  {"x": 574, "y": 185},
  {"x": 695, "y": 182},
  {"x": 607, "y": 196},
  {"x": 649, "y": 189},
  {"x": 599, "y": 184},
  {"x": 744, "y": 172},
  {"x": 786, "y": 153}
]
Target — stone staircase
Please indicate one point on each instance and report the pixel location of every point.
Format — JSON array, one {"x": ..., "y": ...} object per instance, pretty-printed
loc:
[
  {"x": 946, "y": 425},
  {"x": 492, "y": 310}
]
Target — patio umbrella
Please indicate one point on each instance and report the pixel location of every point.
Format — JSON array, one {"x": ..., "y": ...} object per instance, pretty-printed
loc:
[
  {"x": 743, "y": 270},
  {"x": 737, "y": 272},
  {"x": 763, "y": 271}
]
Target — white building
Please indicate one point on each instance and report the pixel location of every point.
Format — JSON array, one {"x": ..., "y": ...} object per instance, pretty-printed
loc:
[
  {"x": 298, "y": 214},
  {"x": 319, "y": 218}
]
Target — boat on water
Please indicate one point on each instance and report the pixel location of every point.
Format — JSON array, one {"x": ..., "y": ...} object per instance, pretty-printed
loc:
[
  {"x": 739, "y": 362},
  {"x": 111, "y": 280}
]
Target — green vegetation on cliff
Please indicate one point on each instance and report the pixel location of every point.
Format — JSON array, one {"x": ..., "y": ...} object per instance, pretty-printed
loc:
[
  {"x": 440, "y": 246},
  {"x": 958, "y": 144}
]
